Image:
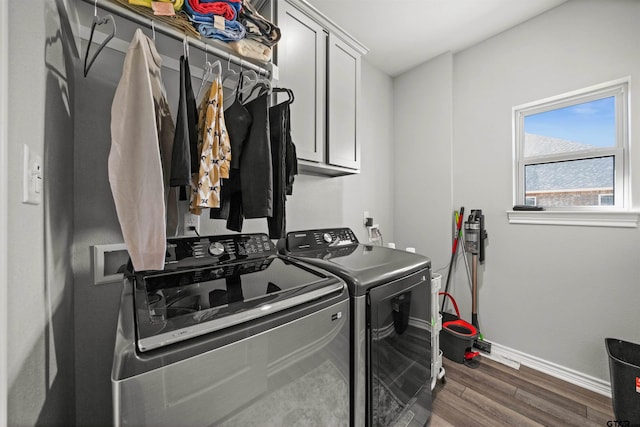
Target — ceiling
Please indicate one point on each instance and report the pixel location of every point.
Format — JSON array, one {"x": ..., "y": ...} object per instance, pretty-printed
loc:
[{"x": 401, "y": 34}]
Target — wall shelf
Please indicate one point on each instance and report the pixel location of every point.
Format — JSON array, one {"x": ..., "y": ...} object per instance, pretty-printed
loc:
[{"x": 213, "y": 47}]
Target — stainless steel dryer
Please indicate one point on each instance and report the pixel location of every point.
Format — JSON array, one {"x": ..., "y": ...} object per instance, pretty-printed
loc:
[
  {"x": 390, "y": 323},
  {"x": 231, "y": 334}
]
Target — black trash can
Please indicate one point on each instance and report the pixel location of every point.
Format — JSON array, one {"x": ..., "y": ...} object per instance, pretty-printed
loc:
[{"x": 624, "y": 369}]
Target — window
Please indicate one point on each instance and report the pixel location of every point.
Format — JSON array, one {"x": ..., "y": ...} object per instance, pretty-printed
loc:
[
  {"x": 571, "y": 150},
  {"x": 606, "y": 199}
]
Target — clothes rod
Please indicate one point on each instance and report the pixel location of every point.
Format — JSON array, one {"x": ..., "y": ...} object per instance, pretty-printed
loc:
[{"x": 159, "y": 27}]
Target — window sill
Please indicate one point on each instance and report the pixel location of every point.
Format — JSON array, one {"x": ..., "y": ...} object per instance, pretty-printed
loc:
[{"x": 619, "y": 219}]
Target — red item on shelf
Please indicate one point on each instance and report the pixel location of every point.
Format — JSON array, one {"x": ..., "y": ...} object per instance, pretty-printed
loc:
[{"x": 221, "y": 8}]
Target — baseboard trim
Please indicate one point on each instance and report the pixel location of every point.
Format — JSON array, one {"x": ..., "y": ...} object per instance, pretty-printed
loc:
[{"x": 511, "y": 357}]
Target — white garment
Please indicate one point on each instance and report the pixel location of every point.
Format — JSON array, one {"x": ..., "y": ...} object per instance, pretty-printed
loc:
[{"x": 140, "y": 157}]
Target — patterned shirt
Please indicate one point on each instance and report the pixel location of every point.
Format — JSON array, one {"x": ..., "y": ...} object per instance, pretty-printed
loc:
[{"x": 214, "y": 149}]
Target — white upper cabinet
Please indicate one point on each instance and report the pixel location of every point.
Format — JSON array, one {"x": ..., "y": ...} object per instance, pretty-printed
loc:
[
  {"x": 301, "y": 53},
  {"x": 343, "y": 104},
  {"x": 321, "y": 64}
]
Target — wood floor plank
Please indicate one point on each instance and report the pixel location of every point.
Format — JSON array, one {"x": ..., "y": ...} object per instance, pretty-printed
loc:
[
  {"x": 579, "y": 394},
  {"x": 508, "y": 400},
  {"x": 453, "y": 386},
  {"x": 598, "y": 417},
  {"x": 456, "y": 410},
  {"x": 479, "y": 375},
  {"x": 438, "y": 421},
  {"x": 568, "y": 417},
  {"x": 495, "y": 394},
  {"x": 523, "y": 383},
  {"x": 499, "y": 411}
]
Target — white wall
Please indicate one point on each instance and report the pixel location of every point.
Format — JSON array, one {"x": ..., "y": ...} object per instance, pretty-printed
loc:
[
  {"x": 552, "y": 292},
  {"x": 422, "y": 167},
  {"x": 4, "y": 143},
  {"x": 40, "y": 326}
]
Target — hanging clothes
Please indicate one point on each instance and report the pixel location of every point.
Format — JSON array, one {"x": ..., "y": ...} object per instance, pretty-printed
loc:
[
  {"x": 238, "y": 121},
  {"x": 278, "y": 124},
  {"x": 215, "y": 151},
  {"x": 142, "y": 134},
  {"x": 256, "y": 176},
  {"x": 185, "y": 142},
  {"x": 285, "y": 166},
  {"x": 291, "y": 162},
  {"x": 249, "y": 191}
]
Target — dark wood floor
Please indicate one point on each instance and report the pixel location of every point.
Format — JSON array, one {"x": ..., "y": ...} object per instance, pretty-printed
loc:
[{"x": 497, "y": 395}]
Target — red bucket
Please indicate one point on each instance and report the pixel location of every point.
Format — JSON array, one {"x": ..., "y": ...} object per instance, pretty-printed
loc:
[{"x": 457, "y": 335}]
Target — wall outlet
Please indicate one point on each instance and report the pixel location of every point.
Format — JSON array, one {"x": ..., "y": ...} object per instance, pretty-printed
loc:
[
  {"x": 32, "y": 180},
  {"x": 191, "y": 224},
  {"x": 367, "y": 220}
]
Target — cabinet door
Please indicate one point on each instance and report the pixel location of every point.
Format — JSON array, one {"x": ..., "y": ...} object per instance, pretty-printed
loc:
[
  {"x": 301, "y": 61},
  {"x": 343, "y": 103}
]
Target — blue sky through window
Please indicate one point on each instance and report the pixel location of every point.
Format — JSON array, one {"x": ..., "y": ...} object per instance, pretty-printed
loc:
[{"x": 588, "y": 123}]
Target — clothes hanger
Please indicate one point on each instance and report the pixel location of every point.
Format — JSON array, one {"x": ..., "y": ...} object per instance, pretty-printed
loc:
[
  {"x": 208, "y": 70},
  {"x": 205, "y": 71},
  {"x": 230, "y": 82},
  {"x": 263, "y": 85},
  {"x": 230, "y": 72},
  {"x": 249, "y": 80},
  {"x": 285, "y": 90},
  {"x": 185, "y": 46},
  {"x": 265, "y": 80},
  {"x": 232, "y": 75},
  {"x": 96, "y": 22}
]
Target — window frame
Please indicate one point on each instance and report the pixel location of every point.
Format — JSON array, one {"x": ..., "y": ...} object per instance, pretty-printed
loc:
[{"x": 619, "y": 89}]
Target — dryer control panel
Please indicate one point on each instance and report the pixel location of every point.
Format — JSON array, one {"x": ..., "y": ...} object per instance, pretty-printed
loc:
[
  {"x": 194, "y": 251},
  {"x": 298, "y": 241}
]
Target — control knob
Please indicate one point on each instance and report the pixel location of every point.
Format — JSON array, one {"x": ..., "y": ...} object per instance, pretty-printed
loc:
[
  {"x": 216, "y": 248},
  {"x": 327, "y": 237}
]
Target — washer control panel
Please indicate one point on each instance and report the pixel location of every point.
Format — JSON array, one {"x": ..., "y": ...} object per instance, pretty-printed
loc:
[
  {"x": 298, "y": 241},
  {"x": 190, "y": 251}
]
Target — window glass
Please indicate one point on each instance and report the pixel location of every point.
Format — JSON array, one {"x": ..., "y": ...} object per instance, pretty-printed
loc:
[
  {"x": 570, "y": 183},
  {"x": 606, "y": 200},
  {"x": 583, "y": 126}
]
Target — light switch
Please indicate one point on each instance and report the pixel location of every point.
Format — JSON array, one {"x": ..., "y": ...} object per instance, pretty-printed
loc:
[{"x": 32, "y": 180}]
